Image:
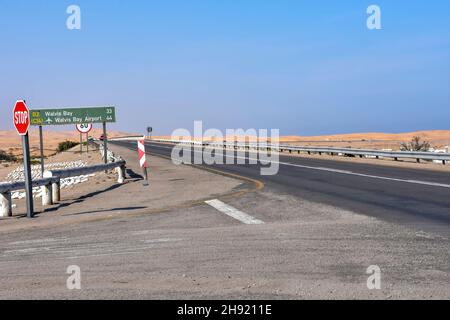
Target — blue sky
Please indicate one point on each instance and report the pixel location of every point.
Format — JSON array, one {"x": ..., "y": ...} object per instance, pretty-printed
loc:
[{"x": 305, "y": 67}]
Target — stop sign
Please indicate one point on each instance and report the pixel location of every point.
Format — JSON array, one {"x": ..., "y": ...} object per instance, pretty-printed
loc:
[{"x": 21, "y": 117}]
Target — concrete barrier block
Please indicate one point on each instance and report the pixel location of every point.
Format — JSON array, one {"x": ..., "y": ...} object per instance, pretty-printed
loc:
[{"x": 5, "y": 204}]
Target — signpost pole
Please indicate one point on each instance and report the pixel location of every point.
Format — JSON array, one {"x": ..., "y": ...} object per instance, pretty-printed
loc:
[
  {"x": 41, "y": 144},
  {"x": 105, "y": 143},
  {"x": 21, "y": 120},
  {"x": 146, "y": 184},
  {"x": 27, "y": 174},
  {"x": 87, "y": 142}
]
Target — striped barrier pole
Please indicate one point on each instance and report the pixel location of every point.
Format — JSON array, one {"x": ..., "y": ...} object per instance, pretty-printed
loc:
[{"x": 142, "y": 160}]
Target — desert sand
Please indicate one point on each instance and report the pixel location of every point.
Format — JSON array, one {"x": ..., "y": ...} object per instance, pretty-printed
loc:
[{"x": 10, "y": 141}]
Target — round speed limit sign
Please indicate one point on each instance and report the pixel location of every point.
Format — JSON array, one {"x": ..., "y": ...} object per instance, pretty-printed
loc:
[{"x": 84, "y": 127}]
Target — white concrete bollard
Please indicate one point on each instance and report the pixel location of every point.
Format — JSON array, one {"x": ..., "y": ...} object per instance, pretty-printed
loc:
[
  {"x": 47, "y": 195},
  {"x": 121, "y": 174},
  {"x": 55, "y": 188},
  {"x": 56, "y": 191},
  {"x": 5, "y": 204}
]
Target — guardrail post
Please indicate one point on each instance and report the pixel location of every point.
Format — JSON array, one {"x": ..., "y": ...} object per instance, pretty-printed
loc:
[
  {"x": 55, "y": 187},
  {"x": 443, "y": 162},
  {"x": 47, "y": 195},
  {"x": 56, "y": 191},
  {"x": 418, "y": 160},
  {"x": 121, "y": 174},
  {"x": 5, "y": 204}
]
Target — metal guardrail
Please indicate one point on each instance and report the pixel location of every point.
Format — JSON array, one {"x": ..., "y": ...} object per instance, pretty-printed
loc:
[
  {"x": 127, "y": 138},
  {"x": 444, "y": 157},
  {"x": 51, "y": 184},
  {"x": 67, "y": 173},
  {"x": 20, "y": 185}
]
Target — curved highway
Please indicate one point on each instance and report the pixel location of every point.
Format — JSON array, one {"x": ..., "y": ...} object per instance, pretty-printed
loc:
[{"x": 412, "y": 197}]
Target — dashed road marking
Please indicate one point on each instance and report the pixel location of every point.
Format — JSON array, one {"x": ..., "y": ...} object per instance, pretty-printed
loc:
[{"x": 233, "y": 212}]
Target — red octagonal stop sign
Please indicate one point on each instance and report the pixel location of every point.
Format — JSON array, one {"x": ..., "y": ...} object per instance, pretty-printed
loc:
[{"x": 21, "y": 117}]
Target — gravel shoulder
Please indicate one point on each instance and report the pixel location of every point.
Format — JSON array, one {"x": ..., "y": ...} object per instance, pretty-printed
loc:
[
  {"x": 303, "y": 251},
  {"x": 102, "y": 198}
]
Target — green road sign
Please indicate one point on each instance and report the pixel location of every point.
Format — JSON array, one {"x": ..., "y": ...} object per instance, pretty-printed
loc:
[{"x": 56, "y": 117}]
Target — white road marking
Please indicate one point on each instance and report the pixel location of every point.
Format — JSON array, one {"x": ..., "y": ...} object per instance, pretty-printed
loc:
[
  {"x": 26, "y": 250},
  {"x": 36, "y": 241},
  {"x": 163, "y": 240},
  {"x": 103, "y": 254},
  {"x": 233, "y": 212},
  {"x": 426, "y": 183}
]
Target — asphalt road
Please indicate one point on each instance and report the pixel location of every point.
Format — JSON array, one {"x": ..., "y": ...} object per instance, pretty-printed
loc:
[
  {"x": 415, "y": 198},
  {"x": 310, "y": 233}
]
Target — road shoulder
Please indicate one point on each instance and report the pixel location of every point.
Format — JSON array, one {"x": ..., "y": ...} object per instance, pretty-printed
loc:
[{"x": 170, "y": 187}]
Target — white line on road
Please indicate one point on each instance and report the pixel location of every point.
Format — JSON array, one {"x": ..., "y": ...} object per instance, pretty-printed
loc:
[
  {"x": 233, "y": 212},
  {"x": 426, "y": 183}
]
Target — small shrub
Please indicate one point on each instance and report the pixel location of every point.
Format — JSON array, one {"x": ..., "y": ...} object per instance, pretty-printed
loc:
[
  {"x": 7, "y": 157},
  {"x": 415, "y": 145},
  {"x": 66, "y": 145}
]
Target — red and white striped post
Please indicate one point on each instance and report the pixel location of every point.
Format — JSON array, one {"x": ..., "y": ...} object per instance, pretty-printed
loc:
[{"x": 142, "y": 159}]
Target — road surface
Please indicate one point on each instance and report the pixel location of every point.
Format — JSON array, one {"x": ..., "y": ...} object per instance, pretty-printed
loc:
[
  {"x": 312, "y": 232},
  {"x": 416, "y": 198}
]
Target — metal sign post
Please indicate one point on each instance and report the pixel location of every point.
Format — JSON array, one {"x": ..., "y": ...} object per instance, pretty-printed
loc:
[
  {"x": 41, "y": 145},
  {"x": 84, "y": 128},
  {"x": 81, "y": 143},
  {"x": 21, "y": 120},
  {"x": 105, "y": 142},
  {"x": 149, "y": 132},
  {"x": 27, "y": 174}
]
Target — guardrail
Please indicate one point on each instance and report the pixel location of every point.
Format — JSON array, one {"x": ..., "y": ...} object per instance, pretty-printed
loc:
[
  {"x": 127, "y": 138},
  {"x": 51, "y": 184},
  {"x": 443, "y": 157}
]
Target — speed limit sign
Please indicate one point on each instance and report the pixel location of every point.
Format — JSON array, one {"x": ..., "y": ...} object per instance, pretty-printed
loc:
[{"x": 84, "y": 127}]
